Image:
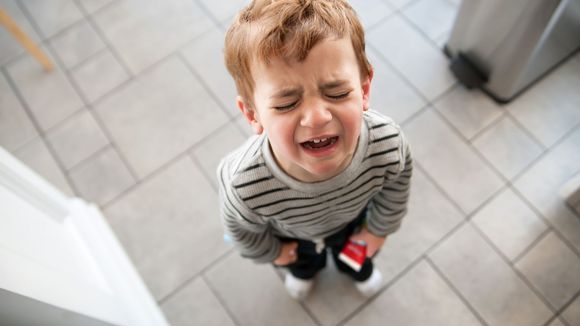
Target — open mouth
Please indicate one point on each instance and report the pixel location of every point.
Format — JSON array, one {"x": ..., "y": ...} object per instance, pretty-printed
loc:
[{"x": 319, "y": 143}]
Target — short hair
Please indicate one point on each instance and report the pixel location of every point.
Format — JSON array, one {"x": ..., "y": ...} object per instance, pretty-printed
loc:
[{"x": 288, "y": 29}]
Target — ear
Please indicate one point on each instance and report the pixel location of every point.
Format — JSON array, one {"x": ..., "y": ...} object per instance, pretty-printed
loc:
[
  {"x": 366, "y": 90},
  {"x": 250, "y": 114}
]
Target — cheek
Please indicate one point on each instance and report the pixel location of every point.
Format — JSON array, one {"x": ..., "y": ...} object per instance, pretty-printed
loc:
[{"x": 281, "y": 133}]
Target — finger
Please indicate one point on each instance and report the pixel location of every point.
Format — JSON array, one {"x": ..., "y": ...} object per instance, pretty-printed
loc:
[{"x": 294, "y": 245}]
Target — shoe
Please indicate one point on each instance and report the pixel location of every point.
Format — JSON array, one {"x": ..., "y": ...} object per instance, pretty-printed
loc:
[
  {"x": 296, "y": 287},
  {"x": 371, "y": 286}
]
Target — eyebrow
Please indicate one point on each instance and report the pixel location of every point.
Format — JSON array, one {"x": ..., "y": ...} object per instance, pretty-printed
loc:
[
  {"x": 287, "y": 92},
  {"x": 333, "y": 84}
]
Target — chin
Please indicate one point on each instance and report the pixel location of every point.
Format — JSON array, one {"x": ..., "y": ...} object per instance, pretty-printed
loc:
[{"x": 323, "y": 171}]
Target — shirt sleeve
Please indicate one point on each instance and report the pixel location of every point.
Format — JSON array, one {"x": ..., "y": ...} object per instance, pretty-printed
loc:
[
  {"x": 389, "y": 205},
  {"x": 252, "y": 237}
]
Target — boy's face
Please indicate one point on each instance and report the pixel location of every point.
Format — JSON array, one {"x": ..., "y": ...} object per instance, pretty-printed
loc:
[{"x": 311, "y": 111}]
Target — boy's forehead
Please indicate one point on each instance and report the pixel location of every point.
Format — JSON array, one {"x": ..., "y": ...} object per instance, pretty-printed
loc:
[{"x": 332, "y": 57}]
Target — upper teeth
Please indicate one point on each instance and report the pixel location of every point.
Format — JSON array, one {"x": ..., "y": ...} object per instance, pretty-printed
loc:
[{"x": 316, "y": 141}]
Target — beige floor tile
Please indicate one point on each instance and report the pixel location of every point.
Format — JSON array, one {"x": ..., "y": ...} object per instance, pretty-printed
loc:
[
  {"x": 224, "y": 10},
  {"x": 10, "y": 47},
  {"x": 209, "y": 65},
  {"x": 507, "y": 147},
  {"x": 549, "y": 109},
  {"x": 102, "y": 178},
  {"x": 371, "y": 12},
  {"x": 470, "y": 111},
  {"x": 553, "y": 269},
  {"x": 334, "y": 296},
  {"x": 195, "y": 304},
  {"x": 541, "y": 183},
  {"x": 572, "y": 313},
  {"x": 145, "y": 32},
  {"x": 493, "y": 289},
  {"x": 416, "y": 58},
  {"x": 210, "y": 152},
  {"x": 390, "y": 94},
  {"x": 400, "y": 4},
  {"x": 432, "y": 17},
  {"x": 16, "y": 128},
  {"x": 169, "y": 226},
  {"x": 77, "y": 138},
  {"x": 99, "y": 75},
  {"x": 510, "y": 224},
  {"x": 36, "y": 156},
  {"x": 91, "y": 6},
  {"x": 53, "y": 16},
  {"x": 430, "y": 217},
  {"x": 556, "y": 322},
  {"x": 165, "y": 112},
  {"x": 254, "y": 293},
  {"x": 451, "y": 162},
  {"x": 419, "y": 297},
  {"x": 77, "y": 43},
  {"x": 49, "y": 95}
]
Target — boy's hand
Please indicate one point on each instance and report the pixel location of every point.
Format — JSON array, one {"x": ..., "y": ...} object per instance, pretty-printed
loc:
[
  {"x": 373, "y": 242},
  {"x": 287, "y": 254}
]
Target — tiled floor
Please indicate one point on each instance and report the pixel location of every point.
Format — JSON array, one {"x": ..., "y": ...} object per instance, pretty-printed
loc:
[{"x": 141, "y": 108}]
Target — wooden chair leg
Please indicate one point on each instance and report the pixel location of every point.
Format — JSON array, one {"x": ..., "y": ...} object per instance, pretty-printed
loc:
[{"x": 28, "y": 44}]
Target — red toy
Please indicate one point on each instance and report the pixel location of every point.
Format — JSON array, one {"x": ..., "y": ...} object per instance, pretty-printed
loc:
[{"x": 354, "y": 254}]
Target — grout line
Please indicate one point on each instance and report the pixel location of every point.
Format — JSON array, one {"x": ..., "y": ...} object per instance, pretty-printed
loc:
[
  {"x": 532, "y": 206},
  {"x": 207, "y": 88},
  {"x": 222, "y": 302},
  {"x": 433, "y": 42},
  {"x": 86, "y": 103},
  {"x": 533, "y": 244},
  {"x": 566, "y": 306},
  {"x": 383, "y": 289},
  {"x": 545, "y": 153},
  {"x": 214, "y": 19},
  {"x": 190, "y": 279},
  {"x": 185, "y": 153},
  {"x": 32, "y": 117},
  {"x": 443, "y": 192},
  {"x": 39, "y": 130},
  {"x": 102, "y": 36},
  {"x": 514, "y": 269},
  {"x": 74, "y": 68},
  {"x": 197, "y": 163},
  {"x": 94, "y": 115},
  {"x": 455, "y": 290},
  {"x": 90, "y": 158},
  {"x": 398, "y": 73},
  {"x": 508, "y": 184},
  {"x": 547, "y": 222},
  {"x": 525, "y": 130},
  {"x": 496, "y": 121},
  {"x": 470, "y": 146}
]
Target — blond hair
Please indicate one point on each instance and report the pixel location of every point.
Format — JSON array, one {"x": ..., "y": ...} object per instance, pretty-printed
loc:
[{"x": 288, "y": 29}]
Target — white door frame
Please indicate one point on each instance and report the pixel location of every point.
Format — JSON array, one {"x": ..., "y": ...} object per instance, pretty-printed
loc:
[{"x": 60, "y": 259}]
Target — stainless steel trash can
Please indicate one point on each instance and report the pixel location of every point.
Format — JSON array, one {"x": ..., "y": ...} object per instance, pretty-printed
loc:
[{"x": 503, "y": 46}]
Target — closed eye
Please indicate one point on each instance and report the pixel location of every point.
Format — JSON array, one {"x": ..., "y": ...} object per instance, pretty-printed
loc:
[
  {"x": 339, "y": 96},
  {"x": 286, "y": 107}
]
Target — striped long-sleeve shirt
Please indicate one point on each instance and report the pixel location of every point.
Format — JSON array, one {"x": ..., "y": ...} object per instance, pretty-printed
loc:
[{"x": 260, "y": 202}]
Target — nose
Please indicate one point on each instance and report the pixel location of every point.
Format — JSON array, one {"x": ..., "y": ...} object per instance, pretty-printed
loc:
[{"x": 315, "y": 115}]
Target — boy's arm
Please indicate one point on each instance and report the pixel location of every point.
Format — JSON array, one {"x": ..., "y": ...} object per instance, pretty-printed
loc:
[
  {"x": 389, "y": 206},
  {"x": 253, "y": 242},
  {"x": 251, "y": 236}
]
